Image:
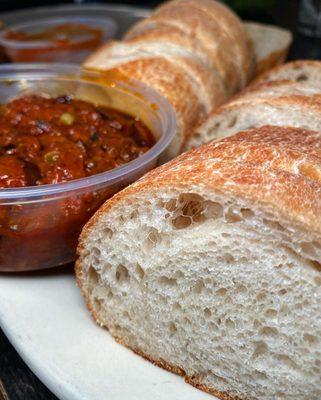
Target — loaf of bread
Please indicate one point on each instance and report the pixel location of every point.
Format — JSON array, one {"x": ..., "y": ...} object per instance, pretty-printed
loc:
[
  {"x": 209, "y": 266},
  {"x": 196, "y": 53},
  {"x": 289, "y": 95}
]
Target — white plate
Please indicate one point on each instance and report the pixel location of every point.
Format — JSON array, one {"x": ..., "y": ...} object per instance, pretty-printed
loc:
[{"x": 45, "y": 318}]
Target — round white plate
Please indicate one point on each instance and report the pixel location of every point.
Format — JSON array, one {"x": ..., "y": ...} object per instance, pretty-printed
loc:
[{"x": 45, "y": 318}]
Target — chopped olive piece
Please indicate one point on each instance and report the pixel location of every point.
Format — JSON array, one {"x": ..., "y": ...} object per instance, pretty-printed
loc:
[
  {"x": 67, "y": 118},
  {"x": 51, "y": 157}
]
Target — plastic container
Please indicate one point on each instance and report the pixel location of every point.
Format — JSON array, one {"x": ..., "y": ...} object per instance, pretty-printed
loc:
[
  {"x": 88, "y": 34},
  {"x": 40, "y": 225}
]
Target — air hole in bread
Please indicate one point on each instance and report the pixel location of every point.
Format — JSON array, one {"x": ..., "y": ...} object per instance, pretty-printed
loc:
[
  {"x": 139, "y": 271},
  {"x": 181, "y": 222},
  {"x": 260, "y": 349},
  {"x": 229, "y": 323},
  {"x": 239, "y": 289},
  {"x": 228, "y": 259},
  {"x": 199, "y": 286},
  {"x": 122, "y": 275},
  {"x": 269, "y": 331},
  {"x": 153, "y": 237},
  {"x": 192, "y": 208},
  {"x": 172, "y": 328},
  {"x": 108, "y": 233},
  {"x": 260, "y": 376},
  {"x": 261, "y": 297},
  {"x": 171, "y": 205},
  {"x": 308, "y": 249},
  {"x": 271, "y": 313},
  {"x": 93, "y": 276},
  {"x": 133, "y": 214},
  {"x": 207, "y": 313},
  {"x": 177, "y": 306},
  {"x": 97, "y": 305},
  {"x": 232, "y": 122},
  {"x": 302, "y": 78},
  {"x": 221, "y": 292},
  {"x": 311, "y": 339},
  {"x": 213, "y": 210},
  {"x": 286, "y": 360},
  {"x": 95, "y": 252},
  {"x": 232, "y": 215},
  {"x": 179, "y": 275},
  {"x": 246, "y": 213},
  {"x": 167, "y": 282},
  {"x": 274, "y": 225}
]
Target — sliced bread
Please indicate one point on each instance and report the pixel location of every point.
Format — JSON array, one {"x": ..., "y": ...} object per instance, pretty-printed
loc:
[
  {"x": 209, "y": 266},
  {"x": 305, "y": 71},
  {"x": 277, "y": 103},
  {"x": 271, "y": 44}
]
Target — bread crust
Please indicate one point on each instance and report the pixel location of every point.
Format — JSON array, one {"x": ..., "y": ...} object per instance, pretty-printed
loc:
[
  {"x": 172, "y": 83},
  {"x": 288, "y": 196},
  {"x": 292, "y": 65},
  {"x": 276, "y": 57},
  {"x": 207, "y": 32},
  {"x": 233, "y": 28}
]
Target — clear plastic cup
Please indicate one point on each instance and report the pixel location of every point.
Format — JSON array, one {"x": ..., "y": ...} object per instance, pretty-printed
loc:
[
  {"x": 91, "y": 32},
  {"x": 40, "y": 225}
]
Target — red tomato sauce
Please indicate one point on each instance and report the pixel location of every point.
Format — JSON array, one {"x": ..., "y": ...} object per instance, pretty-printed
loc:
[
  {"x": 46, "y": 140},
  {"x": 52, "y": 140}
]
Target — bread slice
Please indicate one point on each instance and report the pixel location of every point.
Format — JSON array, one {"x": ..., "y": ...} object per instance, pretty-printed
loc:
[
  {"x": 230, "y": 25},
  {"x": 209, "y": 266},
  {"x": 198, "y": 26},
  {"x": 271, "y": 44},
  {"x": 305, "y": 71},
  {"x": 171, "y": 70},
  {"x": 278, "y": 103}
]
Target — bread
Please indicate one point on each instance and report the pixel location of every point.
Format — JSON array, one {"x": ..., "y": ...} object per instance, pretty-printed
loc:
[
  {"x": 209, "y": 266},
  {"x": 196, "y": 53},
  {"x": 271, "y": 45},
  {"x": 280, "y": 103},
  {"x": 304, "y": 71},
  {"x": 206, "y": 21}
]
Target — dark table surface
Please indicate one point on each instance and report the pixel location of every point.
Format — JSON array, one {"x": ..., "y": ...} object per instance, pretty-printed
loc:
[{"x": 17, "y": 382}]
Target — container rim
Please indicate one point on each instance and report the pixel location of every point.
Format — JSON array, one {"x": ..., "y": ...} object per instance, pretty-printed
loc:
[
  {"x": 48, "y": 70},
  {"x": 108, "y": 24}
]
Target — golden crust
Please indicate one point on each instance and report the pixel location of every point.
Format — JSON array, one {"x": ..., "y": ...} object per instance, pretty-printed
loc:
[
  {"x": 205, "y": 31},
  {"x": 263, "y": 76},
  {"x": 170, "y": 81},
  {"x": 312, "y": 102},
  {"x": 273, "y": 60},
  {"x": 232, "y": 26}
]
